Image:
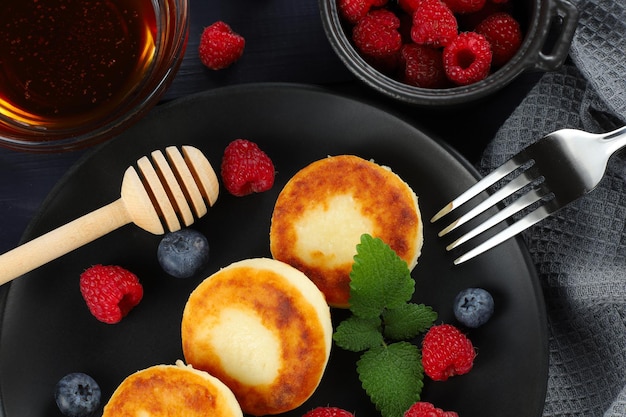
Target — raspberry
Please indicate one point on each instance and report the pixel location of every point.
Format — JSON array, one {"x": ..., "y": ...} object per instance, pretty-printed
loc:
[
  {"x": 409, "y": 6},
  {"x": 328, "y": 412},
  {"x": 504, "y": 34},
  {"x": 469, "y": 21},
  {"x": 110, "y": 292},
  {"x": 433, "y": 24},
  {"x": 446, "y": 352},
  {"x": 465, "y": 6},
  {"x": 377, "y": 35},
  {"x": 246, "y": 169},
  {"x": 219, "y": 46},
  {"x": 354, "y": 10},
  {"x": 423, "y": 66},
  {"x": 425, "y": 409},
  {"x": 467, "y": 59}
]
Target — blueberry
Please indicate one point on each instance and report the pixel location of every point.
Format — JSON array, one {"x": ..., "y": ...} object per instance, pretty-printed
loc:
[
  {"x": 77, "y": 395},
  {"x": 473, "y": 307},
  {"x": 183, "y": 253}
]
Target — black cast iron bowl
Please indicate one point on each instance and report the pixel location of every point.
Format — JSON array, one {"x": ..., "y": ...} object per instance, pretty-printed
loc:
[{"x": 548, "y": 27}]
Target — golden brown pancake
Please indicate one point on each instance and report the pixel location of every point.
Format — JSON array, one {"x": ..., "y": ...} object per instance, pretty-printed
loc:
[
  {"x": 172, "y": 391},
  {"x": 264, "y": 329},
  {"x": 324, "y": 209}
]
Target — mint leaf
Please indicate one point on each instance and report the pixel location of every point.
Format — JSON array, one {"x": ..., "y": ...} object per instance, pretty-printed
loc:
[
  {"x": 392, "y": 376},
  {"x": 379, "y": 279},
  {"x": 357, "y": 334},
  {"x": 408, "y": 320}
]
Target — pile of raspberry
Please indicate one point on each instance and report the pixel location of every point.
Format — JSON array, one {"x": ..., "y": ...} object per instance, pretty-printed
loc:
[{"x": 433, "y": 43}]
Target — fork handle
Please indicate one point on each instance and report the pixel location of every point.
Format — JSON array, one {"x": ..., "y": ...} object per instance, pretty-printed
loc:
[
  {"x": 615, "y": 140},
  {"x": 62, "y": 240}
]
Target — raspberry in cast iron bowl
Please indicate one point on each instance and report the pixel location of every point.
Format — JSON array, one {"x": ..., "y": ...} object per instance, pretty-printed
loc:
[{"x": 519, "y": 33}]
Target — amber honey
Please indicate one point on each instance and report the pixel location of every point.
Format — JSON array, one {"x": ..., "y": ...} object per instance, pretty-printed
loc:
[{"x": 66, "y": 62}]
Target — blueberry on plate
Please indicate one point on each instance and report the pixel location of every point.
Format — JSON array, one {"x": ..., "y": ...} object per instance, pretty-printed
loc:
[
  {"x": 473, "y": 307},
  {"x": 77, "y": 395},
  {"x": 183, "y": 253}
]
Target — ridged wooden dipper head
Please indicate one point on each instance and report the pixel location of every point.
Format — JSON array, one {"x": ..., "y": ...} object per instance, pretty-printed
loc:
[{"x": 170, "y": 189}]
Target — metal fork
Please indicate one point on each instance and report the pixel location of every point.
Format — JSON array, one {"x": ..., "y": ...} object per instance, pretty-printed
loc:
[{"x": 543, "y": 178}]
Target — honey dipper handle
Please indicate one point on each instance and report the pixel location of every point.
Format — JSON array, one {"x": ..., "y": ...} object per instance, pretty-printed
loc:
[{"x": 62, "y": 240}]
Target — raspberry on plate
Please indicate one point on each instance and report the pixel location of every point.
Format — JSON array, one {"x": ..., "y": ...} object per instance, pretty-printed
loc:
[
  {"x": 246, "y": 168},
  {"x": 423, "y": 66},
  {"x": 77, "y": 395},
  {"x": 328, "y": 412},
  {"x": 220, "y": 46},
  {"x": 426, "y": 409},
  {"x": 377, "y": 35},
  {"x": 110, "y": 292},
  {"x": 504, "y": 34},
  {"x": 446, "y": 352},
  {"x": 467, "y": 59},
  {"x": 434, "y": 24}
]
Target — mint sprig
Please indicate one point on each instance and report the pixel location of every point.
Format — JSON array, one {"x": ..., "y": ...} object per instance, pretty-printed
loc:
[{"x": 383, "y": 321}]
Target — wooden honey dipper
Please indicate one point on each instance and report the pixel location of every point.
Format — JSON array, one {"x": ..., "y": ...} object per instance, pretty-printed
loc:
[{"x": 173, "y": 189}]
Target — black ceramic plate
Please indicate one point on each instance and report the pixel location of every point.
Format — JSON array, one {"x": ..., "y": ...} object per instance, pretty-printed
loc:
[{"x": 48, "y": 332}]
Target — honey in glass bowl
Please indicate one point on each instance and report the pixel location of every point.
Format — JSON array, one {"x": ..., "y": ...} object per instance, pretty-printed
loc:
[{"x": 70, "y": 68}]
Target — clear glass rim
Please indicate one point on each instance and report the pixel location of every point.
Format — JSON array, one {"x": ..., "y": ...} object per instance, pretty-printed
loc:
[{"x": 171, "y": 15}]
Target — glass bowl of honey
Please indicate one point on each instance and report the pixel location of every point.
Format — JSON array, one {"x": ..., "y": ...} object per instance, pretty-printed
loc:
[{"x": 74, "y": 73}]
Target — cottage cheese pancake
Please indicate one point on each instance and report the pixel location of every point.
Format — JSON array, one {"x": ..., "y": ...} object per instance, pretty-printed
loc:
[
  {"x": 324, "y": 209},
  {"x": 172, "y": 391},
  {"x": 264, "y": 329}
]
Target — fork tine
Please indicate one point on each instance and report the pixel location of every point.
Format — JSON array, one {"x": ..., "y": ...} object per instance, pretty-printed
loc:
[
  {"x": 516, "y": 184},
  {"x": 487, "y": 181},
  {"x": 519, "y": 204},
  {"x": 524, "y": 223}
]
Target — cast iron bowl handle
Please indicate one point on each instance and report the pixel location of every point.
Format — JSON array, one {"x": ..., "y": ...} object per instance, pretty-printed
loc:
[{"x": 555, "y": 10}]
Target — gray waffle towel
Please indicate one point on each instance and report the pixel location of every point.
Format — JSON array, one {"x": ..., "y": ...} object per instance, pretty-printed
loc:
[{"x": 580, "y": 253}]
